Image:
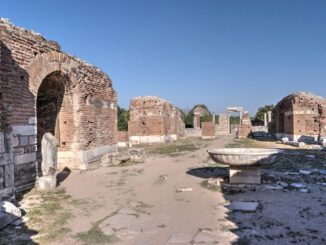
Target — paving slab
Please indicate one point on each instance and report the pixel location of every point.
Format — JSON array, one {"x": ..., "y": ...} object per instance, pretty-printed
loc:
[{"x": 243, "y": 206}]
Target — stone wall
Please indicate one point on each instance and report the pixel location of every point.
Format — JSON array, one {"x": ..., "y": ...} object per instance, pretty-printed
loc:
[
  {"x": 222, "y": 127},
  {"x": 208, "y": 130},
  {"x": 83, "y": 106},
  {"x": 123, "y": 138},
  {"x": 153, "y": 119},
  {"x": 244, "y": 129},
  {"x": 300, "y": 117}
]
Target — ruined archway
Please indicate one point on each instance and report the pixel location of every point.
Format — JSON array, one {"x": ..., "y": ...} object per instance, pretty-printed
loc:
[{"x": 53, "y": 111}]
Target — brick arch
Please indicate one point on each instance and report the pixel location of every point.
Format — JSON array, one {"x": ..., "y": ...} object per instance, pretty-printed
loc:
[{"x": 42, "y": 66}]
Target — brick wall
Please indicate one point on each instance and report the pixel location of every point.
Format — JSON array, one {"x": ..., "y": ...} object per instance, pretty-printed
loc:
[
  {"x": 153, "y": 116},
  {"x": 123, "y": 136},
  {"x": 299, "y": 116},
  {"x": 208, "y": 129},
  {"x": 86, "y": 117}
]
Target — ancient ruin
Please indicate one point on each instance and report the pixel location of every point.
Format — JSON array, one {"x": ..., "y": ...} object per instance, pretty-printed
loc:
[
  {"x": 153, "y": 119},
  {"x": 199, "y": 111},
  {"x": 43, "y": 89},
  {"x": 299, "y": 117},
  {"x": 241, "y": 130}
]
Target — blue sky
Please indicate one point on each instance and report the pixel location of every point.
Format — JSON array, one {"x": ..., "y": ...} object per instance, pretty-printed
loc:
[{"x": 218, "y": 53}]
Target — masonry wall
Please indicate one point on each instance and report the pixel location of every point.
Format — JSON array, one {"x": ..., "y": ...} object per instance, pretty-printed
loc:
[
  {"x": 153, "y": 119},
  {"x": 299, "y": 116},
  {"x": 208, "y": 129},
  {"x": 86, "y": 119}
]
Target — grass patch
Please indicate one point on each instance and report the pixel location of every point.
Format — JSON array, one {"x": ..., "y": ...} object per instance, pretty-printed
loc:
[
  {"x": 244, "y": 143},
  {"x": 95, "y": 236},
  {"x": 210, "y": 186},
  {"x": 174, "y": 149},
  {"x": 49, "y": 217}
]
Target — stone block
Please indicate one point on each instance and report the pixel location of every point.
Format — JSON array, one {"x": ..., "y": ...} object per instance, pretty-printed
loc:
[
  {"x": 245, "y": 175},
  {"x": 244, "y": 206},
  {"x": 136, "y": 154},
  {"x": 32, "y": 121},
  {"x": 31, "y": 140},
  {"x": 47, "y": 183},
  {"x": 24, "y": 130},
  {"x": 25, "y": 158},
  {"x": 23, "y": 140},
  {"x": 6, "y": 219},
  {"x": 9, "y": 175}
]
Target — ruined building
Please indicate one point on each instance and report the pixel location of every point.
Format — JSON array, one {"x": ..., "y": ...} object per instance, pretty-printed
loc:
[
  {"x": 43, "y": 89},
  {"x": 300, "y": 117},
  {"x": 153, "y": 119},
  {"x": 199, "y": 111}
]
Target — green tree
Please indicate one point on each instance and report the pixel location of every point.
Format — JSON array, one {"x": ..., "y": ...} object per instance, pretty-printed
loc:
[
  {"x": 259, "y": 117},
  {"x": 123, "y": 118}
]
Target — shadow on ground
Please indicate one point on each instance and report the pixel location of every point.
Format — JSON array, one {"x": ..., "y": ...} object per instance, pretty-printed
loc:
[{"x": 284, "y": 216}]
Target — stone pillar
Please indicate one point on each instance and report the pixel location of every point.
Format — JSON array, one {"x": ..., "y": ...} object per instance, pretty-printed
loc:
[
  {"x": 240, "y": 117},
  {"x": 269, "y": 116},
  {"x": 196, "y": 121},
  {"x": 49, "y": 163},
  {"x": 213, "y": 117},
  {"x": 265, "y": 119}
]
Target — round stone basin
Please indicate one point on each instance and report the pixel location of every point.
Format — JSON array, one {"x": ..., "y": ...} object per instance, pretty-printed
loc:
[{"x": 244, "y": 157}]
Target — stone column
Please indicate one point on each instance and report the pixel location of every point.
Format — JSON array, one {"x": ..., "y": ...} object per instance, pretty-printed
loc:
[
  {"x": 265, "y": 119},
  {"x": 240, "y": 117},
  {"x": 213, "y": 118},
  {"x": 269, "y": 116}
]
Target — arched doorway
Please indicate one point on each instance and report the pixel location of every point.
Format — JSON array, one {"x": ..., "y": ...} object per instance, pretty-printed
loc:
[{"x": 53, "y": 112}]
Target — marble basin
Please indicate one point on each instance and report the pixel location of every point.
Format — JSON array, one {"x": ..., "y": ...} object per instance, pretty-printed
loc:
[{"x": 244, "y": 157}]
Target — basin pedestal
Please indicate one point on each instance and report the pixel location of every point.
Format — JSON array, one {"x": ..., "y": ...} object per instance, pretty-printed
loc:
[{"x": 245, "y": 175}]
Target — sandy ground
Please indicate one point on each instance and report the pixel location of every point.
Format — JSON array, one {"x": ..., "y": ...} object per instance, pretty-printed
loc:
[
  {"x": 139, "y": 204},
  {"x": 166, "y": 214}
]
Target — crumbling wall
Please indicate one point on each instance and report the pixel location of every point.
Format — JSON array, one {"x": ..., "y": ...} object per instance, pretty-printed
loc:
[
  {"x": 153, "y": 119},
  {"x": 300, "y": 117},
  {"x": 87, "y": 115},
  {"x": 244, "y": 129},
  {"x": 208, "y": 129}
]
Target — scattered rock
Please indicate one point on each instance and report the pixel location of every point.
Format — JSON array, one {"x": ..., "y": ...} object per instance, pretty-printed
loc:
[
  {"x": 9, "y": 208},
  {"x": 114, "y": 159},
  {"x": 323, "y": 142},
  {"x": 184, "y": 190},
  {"x": 180, "y": 238},
  {"x": 305, "y": 172},
  {"x": 273, "y": 187},
  {"x": 6, "y": 219},
  {"x": 323, "y": 172},
  {"x": 310, "y": 156},
  {"x": 298, "y": 185},
  {"x": 304, "y": 190},
  {"x": 284, "y": 140},
  {"x": 283, "y": 184},
  {"x": 136, "y": 154},
  {"x": 244, "y": 206}
]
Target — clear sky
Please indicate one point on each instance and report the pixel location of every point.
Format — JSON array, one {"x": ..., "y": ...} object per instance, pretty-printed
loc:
[{"x": 219, "y": 53}]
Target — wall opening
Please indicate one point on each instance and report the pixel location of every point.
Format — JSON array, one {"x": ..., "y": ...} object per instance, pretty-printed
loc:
[{"x": 53, "y": 111}]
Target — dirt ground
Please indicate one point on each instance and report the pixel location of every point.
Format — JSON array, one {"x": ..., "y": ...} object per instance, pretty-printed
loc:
[{"x": 179, "y": 196}]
